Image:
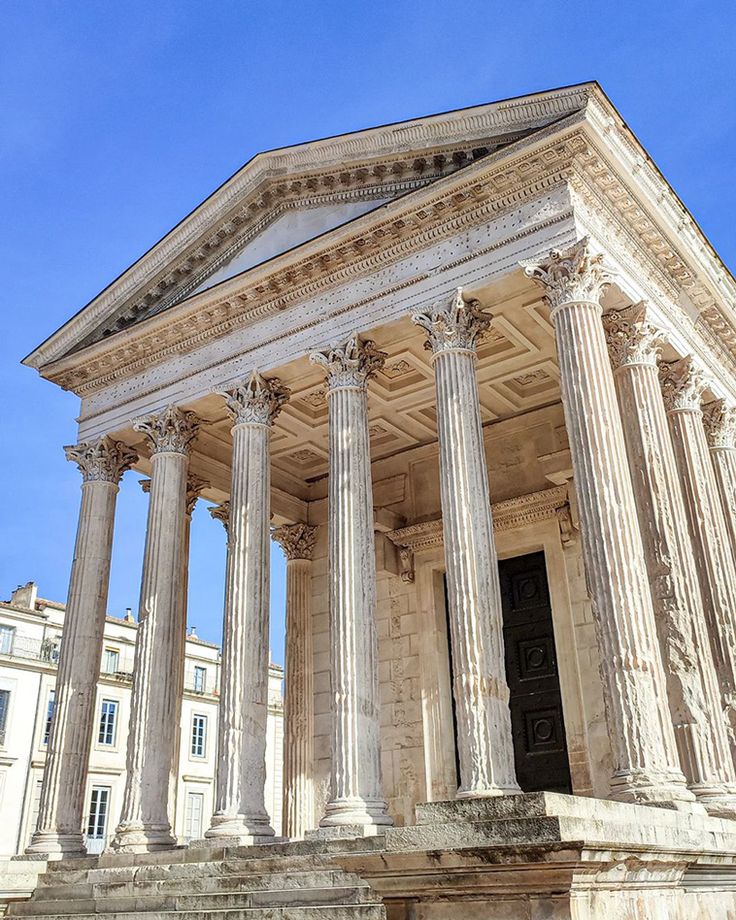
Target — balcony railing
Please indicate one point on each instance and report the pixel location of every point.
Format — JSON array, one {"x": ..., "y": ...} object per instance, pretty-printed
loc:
[{"x": 31, "y": 649}]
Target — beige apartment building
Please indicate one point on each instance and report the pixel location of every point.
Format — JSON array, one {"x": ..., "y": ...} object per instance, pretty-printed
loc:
[{"x": 31, "y": 635}]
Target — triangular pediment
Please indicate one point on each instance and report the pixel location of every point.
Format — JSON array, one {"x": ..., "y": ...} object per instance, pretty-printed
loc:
[{"x": 285, "y": 198}]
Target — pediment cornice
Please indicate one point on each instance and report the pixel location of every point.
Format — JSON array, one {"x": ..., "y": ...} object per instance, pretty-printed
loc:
[
  {"x": 593, "y": 151},
  {"x": 375, "y": 163}
]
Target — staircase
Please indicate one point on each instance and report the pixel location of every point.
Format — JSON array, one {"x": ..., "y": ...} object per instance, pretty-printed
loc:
[{"x": 294, "y": 881}]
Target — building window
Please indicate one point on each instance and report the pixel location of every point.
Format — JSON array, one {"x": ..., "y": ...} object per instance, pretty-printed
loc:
[
  {"x": 199, "y": 735},
  {"x": 110, "y": 661},
  {"x": 193, "y": 816},
  {"x": 4, "y": 707},
  {"x": 200, "y": 679},
  {"x": 97, "y": 822},
  {"x": 7, "y": 635},
  {"x": 108, "y": 718},
  {"x": 49, "y": 715}
]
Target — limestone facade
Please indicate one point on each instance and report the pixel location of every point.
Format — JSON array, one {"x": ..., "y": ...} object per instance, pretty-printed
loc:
[{"x": 480, "y": 387}]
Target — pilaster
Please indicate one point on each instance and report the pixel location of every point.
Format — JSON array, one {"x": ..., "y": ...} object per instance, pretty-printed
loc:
[{"x": 642, "y": 739}]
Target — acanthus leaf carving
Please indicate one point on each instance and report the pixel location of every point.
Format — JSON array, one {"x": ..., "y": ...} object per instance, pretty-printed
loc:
[
  {"x": 572, "y": 275},
  {"x": 631, "y": 338},
  {"x": 682, "y": 383},
  {"x": 457, "y": 324},
  {"x": 171, "y": 431},
  {"x": 104, "y": 460},
  {"x": 255, "y": 401},
  {"x": 719, "y": 419},
  {"x": 296, "y": 540},
  {"x": 221, "y": 513},
  {"x": 350, "y": 364}
]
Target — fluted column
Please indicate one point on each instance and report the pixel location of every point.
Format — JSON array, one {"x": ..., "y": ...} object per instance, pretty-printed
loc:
[
  {"x": 692, "y": 686},
  {"x": 720, "y": 428},
  {"x": 145, "y": 820},
  {"x": 240, "y": 810},
  {"x": 642, "y": 739},
  {"x": 297, "y": 542},
  {"x": 356, "y": 795},
  {"x": 62, "y": 806},
  {"x": 486, "y": 750},
  {"x": 682, "y": 386}
]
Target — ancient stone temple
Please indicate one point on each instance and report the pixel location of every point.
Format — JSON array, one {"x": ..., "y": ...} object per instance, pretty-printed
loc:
[{"x": 476, "y": 373}]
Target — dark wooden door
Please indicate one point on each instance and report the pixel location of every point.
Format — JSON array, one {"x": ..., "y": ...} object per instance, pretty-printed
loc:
[{"x": 537, "y": 722}]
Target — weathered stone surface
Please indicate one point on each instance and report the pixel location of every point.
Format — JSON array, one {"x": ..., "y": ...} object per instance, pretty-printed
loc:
[
  {"x": 481, "y": 694},
  {"x": 62, "y": 805}
]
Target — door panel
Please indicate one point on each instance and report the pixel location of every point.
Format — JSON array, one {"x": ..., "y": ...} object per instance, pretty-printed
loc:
[{"x": 537, "y": 722}]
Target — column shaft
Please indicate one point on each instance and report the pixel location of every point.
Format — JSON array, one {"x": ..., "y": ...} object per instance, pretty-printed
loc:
[
  {"x": 642, "y": 739},
  {"x": 240, "y": 810},
  {"x": 720, "y": 426},
  {"x": 62, "y": 805},
  {"x": 356, "y": 796},
  {"x": 145, "y": 821},
  {"x": 692, "y": 688},
  {"x": 485, "y": 745},
  {"x": 682, "y": 386},
  {"x": 297, "y": 541}
]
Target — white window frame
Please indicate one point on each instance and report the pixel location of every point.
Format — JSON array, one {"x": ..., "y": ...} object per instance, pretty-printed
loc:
[
  {"x": 198, "y": 736},
  {"x": 189, "y": 828},
  {"x": 6, "y": 647},
  {"x": 199, "y": 671},
  {"x": 107, "y": 653},
  {"x": 98, "y": 811},
  {"x": 50, "y": 707},
  {"x": 103, "y": 725},
  {"x": 6, "y": 715}
]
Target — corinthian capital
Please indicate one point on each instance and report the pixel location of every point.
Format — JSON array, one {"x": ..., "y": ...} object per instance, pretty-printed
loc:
[
  {"x": 170, "y": 431},
  {"x": 455, "y": 325},
  {"x": 571, "y": 275},
  {"x": 296, "y": 540},
  {"x": 104, "y": 460},
  {"x": 221, "y": 513},
  {"x": 682, "y": 384},
  {"x": 256, "y": 401},
  {"x": 631, "y": 338},
  {"x": 195, "y": 485},
  {"x": 350, "y": 364},
  {"x": 719, "y": 419}
]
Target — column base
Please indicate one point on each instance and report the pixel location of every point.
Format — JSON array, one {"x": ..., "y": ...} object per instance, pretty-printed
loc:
[
  {"x": 136, "y": 837},
  {"x": 356, "y": 812},
  {"x": 719, "y": 803},
  {"x": 487, "y": 792},
  {"x": 665, "y": 790},
  {"x": 54, "y": 845},
  {"x": 240, "y": 828}
]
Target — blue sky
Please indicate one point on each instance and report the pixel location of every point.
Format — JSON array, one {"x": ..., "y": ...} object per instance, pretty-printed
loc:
[{"x": 119, "y": 118}]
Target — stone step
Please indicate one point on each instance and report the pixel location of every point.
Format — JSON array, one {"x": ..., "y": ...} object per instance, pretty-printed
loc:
[
  {"x": 298, "y": 897},
  {"x": 327, "y": 912}
]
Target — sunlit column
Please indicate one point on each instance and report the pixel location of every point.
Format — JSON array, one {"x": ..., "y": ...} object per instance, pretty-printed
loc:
[
  {"x": 145, "y": 821},
  {"x": 720, "y": 426},
  {"x": 240, "y": 810},
  {"x": 62, "y": 806},
  {"x": 643, "y": 745},
  {"x": 485, "y": 745},
  {"x": 356, "y": 796}
]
